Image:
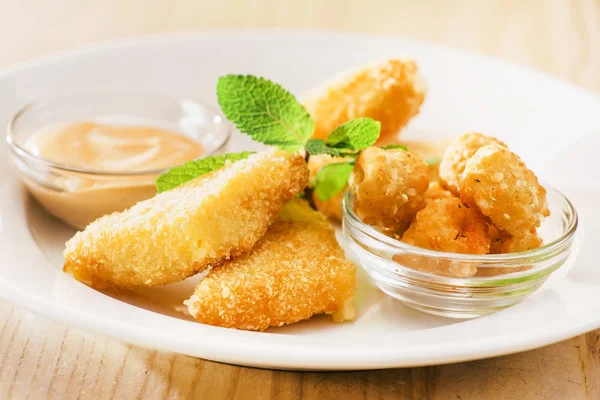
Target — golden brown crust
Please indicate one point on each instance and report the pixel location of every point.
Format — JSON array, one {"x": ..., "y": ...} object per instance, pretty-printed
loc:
[
  {"x": 389, "y": 91},
  {"x": 388, "y": 187},
  {"x": 295, "y": 271},
  {"x": 180, "y": 232},
  {"x": 449, "y": 225},
  {"x": 498, "y": 183},
  {"x": 456, "y": 156}
]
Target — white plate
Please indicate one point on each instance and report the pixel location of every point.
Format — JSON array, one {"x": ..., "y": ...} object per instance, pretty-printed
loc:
[{"x": 549, "y": 122}]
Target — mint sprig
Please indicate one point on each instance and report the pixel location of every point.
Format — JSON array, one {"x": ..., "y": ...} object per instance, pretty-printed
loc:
[
  {"x": 319, "y": 146},
  {"x": 356, "y": 134},
  {"x": 194, "y": 169},
  {"x": 347, "y": 140},
  {"x": 271, "y": 115},
  {"x": 265, "y": 111}
]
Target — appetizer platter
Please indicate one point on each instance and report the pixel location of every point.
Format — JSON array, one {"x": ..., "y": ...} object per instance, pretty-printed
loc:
[{"x": 396, "y": 204}]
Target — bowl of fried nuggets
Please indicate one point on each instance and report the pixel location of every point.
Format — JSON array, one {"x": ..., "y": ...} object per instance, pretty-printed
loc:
[{"x": 483, "y": 236}]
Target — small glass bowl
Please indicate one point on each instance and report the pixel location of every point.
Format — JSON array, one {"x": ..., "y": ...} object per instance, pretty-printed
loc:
[
  {"x": 502, "y": 280},
  {"x": 78, "y": 196}
]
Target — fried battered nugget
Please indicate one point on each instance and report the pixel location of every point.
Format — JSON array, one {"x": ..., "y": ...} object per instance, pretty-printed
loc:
[
  {"x": 431, "y": 151},
  {"x": 435, "y": 192},
  {"x": 295, "y": 271},
  {"x": 449, "y": 225},
  {"x": 388, "y": 187},
  {"x": 498, "y": 183},
  {"x": 389, "y": 91},
  {"x": 503, "y": 243},
  {"x": 180, "y": 232},
  {"x": 456, "y": 156},
  {"x": 332, "y": 208}
]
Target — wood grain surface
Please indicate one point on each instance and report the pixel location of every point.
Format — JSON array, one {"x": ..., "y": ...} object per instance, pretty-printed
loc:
[{"x": 40, "y": 359}]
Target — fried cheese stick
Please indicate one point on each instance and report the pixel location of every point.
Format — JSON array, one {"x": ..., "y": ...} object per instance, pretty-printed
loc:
[
  {"x": 295, "y": 271},
  {"x": 389, "y": 91},
  {"x": 180, "y": 232}
]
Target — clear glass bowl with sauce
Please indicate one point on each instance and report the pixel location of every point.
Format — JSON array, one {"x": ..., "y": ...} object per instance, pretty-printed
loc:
[
  {"x": 125, "y": 132},
  {"x": 502, "y": 280}
]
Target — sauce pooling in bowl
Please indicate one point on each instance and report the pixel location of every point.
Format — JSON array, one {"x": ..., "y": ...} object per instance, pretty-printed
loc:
[
  {"x": 113, "y": 148},
  {"x": 98, "y": 150}
]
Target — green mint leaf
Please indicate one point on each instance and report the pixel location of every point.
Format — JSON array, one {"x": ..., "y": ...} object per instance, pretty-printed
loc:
[
  {"x": 193, "y": 169},
  {"x": 265, "y": 111},
  {"x": 332, "y": 179},
  {"x": 394, "y": 146},
  {"x": 356, "y": 134},
  {"x": 432, "y": 161},
  {"x": 318, "y": 146}
]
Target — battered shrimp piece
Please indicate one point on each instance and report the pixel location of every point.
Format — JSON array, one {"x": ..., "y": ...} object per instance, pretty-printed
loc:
[
  {"x": 456, "y": 156},
  {"x": 449, "y": 225},
  {"x": 295, "y": 271},
  {"x": 435, "y": 192},
  {"x": 180, "y": 232},
  {"x": 332, "y": 208},
  {"x": 389, "y": 91},
  {"x": 502, "y": 243},
  {"x": 388, "y": 187},
  {"x": 498, "y": 183}
]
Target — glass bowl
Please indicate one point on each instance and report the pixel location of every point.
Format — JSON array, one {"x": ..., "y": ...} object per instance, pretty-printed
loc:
[
  {"x": 501, "y": 281},
  {"x": 78, "y": 196}
]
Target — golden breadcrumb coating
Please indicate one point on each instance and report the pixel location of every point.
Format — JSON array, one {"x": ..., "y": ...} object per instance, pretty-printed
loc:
[
  {"x": 180, "y": 232},
  {"x": 389, "y": 91},
  {"x": 332, "y": 208},
  {"x": 436, "y": 192},
  {"x": 388, "y": 187},
  {"x": 295, "y": 271},
  {"x": 456, "y": 155},
  {"x": 496, "y": 181},
  {"x": 431, "y": 151},
  {"x": 503, "y": 243},
  {"x": 451, "y": 226}
]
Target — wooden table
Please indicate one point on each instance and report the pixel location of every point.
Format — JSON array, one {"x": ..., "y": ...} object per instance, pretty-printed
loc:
[{"x": 40, "y": 359}]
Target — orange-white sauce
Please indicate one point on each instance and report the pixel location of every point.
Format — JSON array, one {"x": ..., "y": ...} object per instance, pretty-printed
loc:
[
  {"x": 111, "y": 148},
  {"x": 80, "y": 198}
]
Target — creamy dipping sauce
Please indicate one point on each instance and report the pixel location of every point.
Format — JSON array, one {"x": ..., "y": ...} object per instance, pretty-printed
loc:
[
  {"x": 80, "y": 198},
  {"x": 113, "y": 148}
]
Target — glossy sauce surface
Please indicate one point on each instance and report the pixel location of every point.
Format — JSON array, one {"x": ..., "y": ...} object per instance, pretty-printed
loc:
[
  {"x": 80, "y": 198},
  {"x": 111, "y": 148}
]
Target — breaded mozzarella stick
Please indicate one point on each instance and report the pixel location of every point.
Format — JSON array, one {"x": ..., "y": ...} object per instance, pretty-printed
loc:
[
  {"x": 180, "y": 232},
  {"x": 295, "y": 271}
]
